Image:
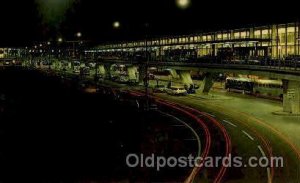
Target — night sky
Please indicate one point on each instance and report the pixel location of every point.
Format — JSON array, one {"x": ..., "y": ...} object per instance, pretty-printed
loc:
[{"x": 26, "y": 21}]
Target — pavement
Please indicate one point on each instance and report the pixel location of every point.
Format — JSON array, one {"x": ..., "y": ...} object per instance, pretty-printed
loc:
[
  {"x": 264, "y": 110},
  {"x": 252, "y": 125},
  {"x": 254, "y": 129}
]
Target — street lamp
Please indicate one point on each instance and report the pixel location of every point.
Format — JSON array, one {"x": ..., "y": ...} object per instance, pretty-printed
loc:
[
  {"x": 78, "y": 34},
  {"x": 183, "y": 4},
  {"x": 49, "y": 56},
  {"x": 60, "y": 40},
  {"x": 116, "y": 24}
]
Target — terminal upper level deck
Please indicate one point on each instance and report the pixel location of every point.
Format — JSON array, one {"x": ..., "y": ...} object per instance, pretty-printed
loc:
[{"x": 275, "y": 41}]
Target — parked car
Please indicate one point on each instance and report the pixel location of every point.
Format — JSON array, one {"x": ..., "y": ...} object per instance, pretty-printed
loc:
[
  {"x": 85, "y": 71},
  {"x": 176, "y": 90},
  {"x": 159, "y": 89},
  {"x": 92, "y": 65}
]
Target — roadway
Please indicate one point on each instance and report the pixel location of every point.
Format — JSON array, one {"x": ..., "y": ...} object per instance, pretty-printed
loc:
[
  {"x": 250, "y": 124},
  {"x": 253, "y": 130}
]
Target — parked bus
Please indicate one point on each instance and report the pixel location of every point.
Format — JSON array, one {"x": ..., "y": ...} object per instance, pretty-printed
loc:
[
  {"x": 244, "y": 85},
  {"x": 268, "y": 88},
  {"x": 261, "y": 87}
]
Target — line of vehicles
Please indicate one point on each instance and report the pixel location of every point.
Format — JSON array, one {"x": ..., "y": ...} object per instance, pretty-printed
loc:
[
  {"x": 10, "y": 62},
  {"x": 259, "y": 87}
]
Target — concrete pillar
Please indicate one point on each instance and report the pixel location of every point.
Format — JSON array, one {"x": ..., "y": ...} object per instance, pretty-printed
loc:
[
  {"x": 206, "y": 84},
  {"x": 174, "y": 74},
  {"x": 291, "y": 96},
  {"x": 142, "y": 73},
  {"x": 214, "y": 50},
  {"x": 186, "y": 78},
  {"x": 101, "y": 70},
  {"x": 133, "y": 73},
  {"x": 108, "y": 70}
]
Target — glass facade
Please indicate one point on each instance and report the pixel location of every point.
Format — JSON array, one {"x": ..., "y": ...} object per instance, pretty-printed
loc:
[{"x": 273, "y": 41}]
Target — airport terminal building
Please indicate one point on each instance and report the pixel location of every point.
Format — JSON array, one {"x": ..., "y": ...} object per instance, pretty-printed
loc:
[{"x": 273, "y": 41}]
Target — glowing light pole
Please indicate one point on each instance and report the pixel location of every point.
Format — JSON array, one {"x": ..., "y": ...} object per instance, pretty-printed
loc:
[
  {"x": 116, "y": 25},
  {"x": 60, "y": 40},
  {"x": 79, "y": 34},
  {"x": 183, "y": 4},
  {"x": 49, "y": 56}
]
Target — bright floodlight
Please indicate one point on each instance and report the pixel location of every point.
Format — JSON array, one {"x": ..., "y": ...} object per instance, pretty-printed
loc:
[
  {"x": 78, "y": 34},
  {"x": 116, "y": 24},
  {"x": 183, "y": 4},
  {"x": 60, "y": 40},
  {"x": 48, "y": 43}
]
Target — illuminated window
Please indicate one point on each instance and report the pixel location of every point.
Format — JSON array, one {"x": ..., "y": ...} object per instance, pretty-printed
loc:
[
  {"x": 257, "y": 34},
  {"x": 209, "y": 37},
  {"x": 191, "y": 39},
  {"x": 291, "y": 29},
  {"x": 282, "y": 35},
  {"x": 244, "y": 35},
  {"x": 290, "y": 50},
  {"x": 265, "y": 34},
  {"x": 225, "y": 36},
  {"x": 291, "y": 34},
  {"x": 281, "y": 30},
  {"x": 236, "y": 35},
  {"x": 291, "y": 37}
]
